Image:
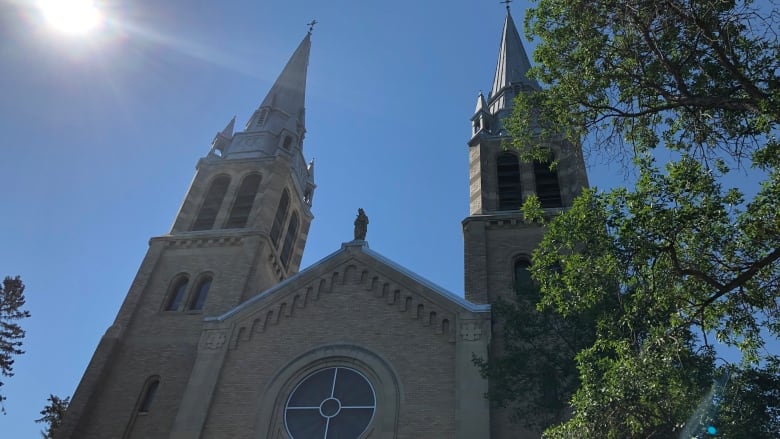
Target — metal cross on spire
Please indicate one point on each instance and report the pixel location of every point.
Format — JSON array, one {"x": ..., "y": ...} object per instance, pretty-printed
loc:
[
  {"x": 311, "y": 25},
  {"x": 506, "y": 2}
]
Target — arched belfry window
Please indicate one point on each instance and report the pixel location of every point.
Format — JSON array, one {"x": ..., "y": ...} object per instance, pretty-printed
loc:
[
  {"x": 547, "y": 187},
  {"x": 201, "y": 292},
  {"x": 510, "y": 196},
  {"x": 289, "y": 240},
  {"x": 281, "y": 215},
  {"x": 245, "y": 199},
  {"x": 176, "y": 294},
  {"x": 211, "y": 204}
]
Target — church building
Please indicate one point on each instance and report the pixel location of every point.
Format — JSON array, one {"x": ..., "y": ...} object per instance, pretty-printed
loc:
[{"x": 221, "y": 334}]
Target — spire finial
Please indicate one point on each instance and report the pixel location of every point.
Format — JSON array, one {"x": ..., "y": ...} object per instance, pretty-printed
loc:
[
  {"x": 506, "y": 2},
  {"x": 311, "y": 25}
]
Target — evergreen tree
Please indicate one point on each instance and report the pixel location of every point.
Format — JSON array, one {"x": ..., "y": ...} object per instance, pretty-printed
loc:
[
  {"x": 52, "y": 415},
  {"x": 11, "y": 333}
]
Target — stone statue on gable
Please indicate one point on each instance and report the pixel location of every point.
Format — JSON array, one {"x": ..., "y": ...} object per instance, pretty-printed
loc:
[{"x": 361, "y": 226}]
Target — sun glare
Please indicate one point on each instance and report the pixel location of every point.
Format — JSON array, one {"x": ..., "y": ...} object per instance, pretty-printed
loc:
[{"x": 71, "y": 16}]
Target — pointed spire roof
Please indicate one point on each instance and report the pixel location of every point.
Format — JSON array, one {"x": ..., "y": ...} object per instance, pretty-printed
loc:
[
  {"x": 513, "y": 63},
  {"x": 481, "y": 104},
  {"x": 289, "y": 91},
  {"x": 228, "y": 131}
]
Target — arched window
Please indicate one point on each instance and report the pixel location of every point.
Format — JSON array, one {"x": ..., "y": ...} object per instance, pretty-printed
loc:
[
  {"x": 510, "y": 195},
  {"x": 176, "y": 294},
  {"x": 211, "y": 204},
  {"x": 524, "y": 284},
  {"x": 547, "y": 187},
  {"x": 245, "y": 198},
  {"x": 289, "y": 240},
  {"x": 197, "y": 302},
  {"x": 281, "y": 215},
  {"x": 148, "y": 394}
]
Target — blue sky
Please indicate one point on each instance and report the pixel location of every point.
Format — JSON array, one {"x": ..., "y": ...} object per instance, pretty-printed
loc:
[{"x": 101, "y": 134}]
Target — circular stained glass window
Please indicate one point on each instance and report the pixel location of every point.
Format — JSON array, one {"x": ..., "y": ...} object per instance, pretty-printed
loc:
[{"x": 332, "y": 403}]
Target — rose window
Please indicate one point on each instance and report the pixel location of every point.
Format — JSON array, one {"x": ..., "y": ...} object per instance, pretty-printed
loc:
[{"x": 332, "y": 403}]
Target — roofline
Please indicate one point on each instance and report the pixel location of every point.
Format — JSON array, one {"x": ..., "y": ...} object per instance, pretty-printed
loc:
[
  {"x": 446, "y": 294},
  {"x": 473, "y": 307}
]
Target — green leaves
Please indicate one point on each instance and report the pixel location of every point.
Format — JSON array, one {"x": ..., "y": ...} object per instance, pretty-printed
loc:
[
  {"x": 697, "y": 76},
  {"x": 658, "y": 268}
]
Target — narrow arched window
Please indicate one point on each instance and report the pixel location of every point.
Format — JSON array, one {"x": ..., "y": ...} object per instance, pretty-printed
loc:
[
  {"x": 281, "y": 215},
  {"x": 510, "y": 195},
  {"x": 245, "y": 199},
  {"x": 289, "y": 240},
  {"x": 261, "y": 118},
  {"x": 197, "y": 302},
  {"x": 524, "y": 284},
  {"x": 148, "y": 394},
  {"x": 547, "y": 187},
  {"x": 176, "y": 294},
  {"x": 211, "y": 204}
]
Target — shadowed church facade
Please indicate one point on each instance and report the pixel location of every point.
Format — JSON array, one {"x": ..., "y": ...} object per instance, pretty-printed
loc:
[{"x": 221, "y": 335}]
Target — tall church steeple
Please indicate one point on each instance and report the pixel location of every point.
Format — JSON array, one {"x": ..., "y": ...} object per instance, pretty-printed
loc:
[
  {"x": 257, "y": 179},
  {"x": 241, "y": 230},
  {"x": 498, "y": 242},
  {"x": 499, "y": 181}
]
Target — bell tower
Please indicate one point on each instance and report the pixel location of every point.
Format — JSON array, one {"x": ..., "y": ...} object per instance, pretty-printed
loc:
[
  {"x": 241, "y": 229},
  {"x": 256, "y": 182},
  {"x": 495, "y": 235},
  {"x": 498, "y": 242}
]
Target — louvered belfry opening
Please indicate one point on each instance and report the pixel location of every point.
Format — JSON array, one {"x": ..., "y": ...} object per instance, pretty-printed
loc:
[
  {"x": 510, "y": 196},
  {"x": 548, "y": 188},
  {"x": 242, "y": 207},
  {"x": 210, "y": 208}
]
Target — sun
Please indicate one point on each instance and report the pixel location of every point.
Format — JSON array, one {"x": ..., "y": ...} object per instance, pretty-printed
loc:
[{"x": 71, "y": 16}]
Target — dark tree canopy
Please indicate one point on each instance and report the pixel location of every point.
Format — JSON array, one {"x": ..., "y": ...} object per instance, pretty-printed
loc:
[
  {"x": 694, "y": 76},
  {"x": 11, "y": 333},
  {"x": 677, "y": 260}
]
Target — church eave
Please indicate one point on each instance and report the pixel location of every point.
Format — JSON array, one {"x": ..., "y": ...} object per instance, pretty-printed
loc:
[{"x": 303, "y": 276}]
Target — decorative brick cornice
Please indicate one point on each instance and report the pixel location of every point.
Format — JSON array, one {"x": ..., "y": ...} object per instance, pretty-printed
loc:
[
  {"x": 375, "y": 286},
  {"x": 198, "y": 242}
]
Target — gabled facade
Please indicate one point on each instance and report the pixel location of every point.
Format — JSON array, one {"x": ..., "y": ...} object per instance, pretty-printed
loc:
[
  {"x": 221, "y": 335},
  {"x": 353, "y": 311}
]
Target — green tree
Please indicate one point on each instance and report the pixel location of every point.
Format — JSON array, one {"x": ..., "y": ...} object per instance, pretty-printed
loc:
[
  {"x": 11, "y": 333},
  {"x": 537, "y": 356},
  {"x": 52, "y": 415},
  {"x": 676, "y": 259}
]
